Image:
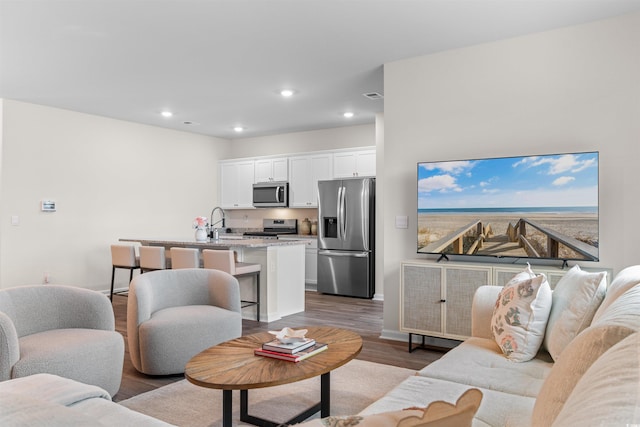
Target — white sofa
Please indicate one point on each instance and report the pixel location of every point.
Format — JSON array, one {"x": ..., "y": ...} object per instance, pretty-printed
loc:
[
  {"x": 52, "y": 401},
  {"x": 594, "y": 381}
]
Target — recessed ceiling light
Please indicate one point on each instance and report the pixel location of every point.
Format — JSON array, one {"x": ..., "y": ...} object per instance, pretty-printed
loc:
[
  {"x": 287, "y": 92},
  {"x": 166, "y": 114},
  {"x": 348, "y": 115},
  {"x": 238, "y": 128}
]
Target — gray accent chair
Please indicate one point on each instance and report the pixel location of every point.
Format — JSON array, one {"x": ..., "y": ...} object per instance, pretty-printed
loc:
[
  {"x": 60, "y": 330},
  {"x": 172, "y": 315}
]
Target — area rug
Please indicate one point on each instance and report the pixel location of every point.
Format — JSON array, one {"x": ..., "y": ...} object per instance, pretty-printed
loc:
[{"x": 354, "y": 386}]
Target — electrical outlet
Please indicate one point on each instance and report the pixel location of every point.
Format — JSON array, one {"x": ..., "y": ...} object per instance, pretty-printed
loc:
[
  {"x": 246, "y": 219},
  {"x": 46, "y": 278}
]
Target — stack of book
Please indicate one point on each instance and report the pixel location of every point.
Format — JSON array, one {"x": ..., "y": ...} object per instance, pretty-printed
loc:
[{"x": 292, "y": 352}]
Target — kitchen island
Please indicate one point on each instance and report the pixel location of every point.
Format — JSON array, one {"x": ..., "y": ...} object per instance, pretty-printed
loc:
[{"x": 281, "y": 278}]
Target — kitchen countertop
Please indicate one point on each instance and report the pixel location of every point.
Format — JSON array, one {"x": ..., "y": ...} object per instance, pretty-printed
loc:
[{"x": 221, "y": 243}]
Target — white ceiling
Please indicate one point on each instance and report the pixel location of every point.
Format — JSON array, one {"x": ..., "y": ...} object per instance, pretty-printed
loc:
[{"x": 221, "y": 63}]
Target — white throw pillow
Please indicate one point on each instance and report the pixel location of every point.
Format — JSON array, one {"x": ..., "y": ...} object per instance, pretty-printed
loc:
[
  {"x": 576, "y": 298},
  {"x": 520, "y": 315}
]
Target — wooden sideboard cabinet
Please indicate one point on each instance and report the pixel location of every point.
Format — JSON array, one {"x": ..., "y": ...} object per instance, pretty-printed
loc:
[{"x": 436, "y": 298}]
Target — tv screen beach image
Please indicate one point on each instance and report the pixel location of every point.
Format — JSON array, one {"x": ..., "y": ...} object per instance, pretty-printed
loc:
[{"x": 522, "y": 207}]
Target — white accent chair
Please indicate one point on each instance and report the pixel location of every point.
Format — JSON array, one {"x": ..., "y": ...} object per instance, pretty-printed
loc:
[
  {"x": 172, "y": 315},
  {"x": 123, "y": 256},
  {"x": 184, "y": 258},
  {"x": 225, "y": 260},
  {"x": 152, "y": 258},
  {"x": 60, "y": 330}
]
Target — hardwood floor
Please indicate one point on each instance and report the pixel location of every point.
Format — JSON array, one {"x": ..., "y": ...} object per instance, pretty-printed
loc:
[{"x": 359, "y": 315}]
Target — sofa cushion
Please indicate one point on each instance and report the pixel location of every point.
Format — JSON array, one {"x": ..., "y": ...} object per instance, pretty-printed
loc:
[
  {"x": 575, "y": 360},
  {"x": 624, "y": 311},
  {"x": 437, "y": 414},
  {"x": 575, "y": 300},
  {"x": 624, "y": 280},
  {"x": 520, "y": 315},
  {"x": 496, "y": 408},
  {"x": 608, "y": 393},
  {"x": 112, "y": 414},
  {"x": 479, "y": 362},
  {"x": 385, "y": 419},
  {"x": 17, "y": 410}
]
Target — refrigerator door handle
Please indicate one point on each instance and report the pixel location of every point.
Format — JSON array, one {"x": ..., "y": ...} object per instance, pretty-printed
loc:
[
  {"x": 339, "y": 211},
  {"x": 344, "y": 213},
  {"x": 344, "y": 254}
]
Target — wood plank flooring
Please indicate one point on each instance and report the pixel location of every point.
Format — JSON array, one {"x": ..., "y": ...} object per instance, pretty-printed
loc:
[{"x": 360, "y": 315}]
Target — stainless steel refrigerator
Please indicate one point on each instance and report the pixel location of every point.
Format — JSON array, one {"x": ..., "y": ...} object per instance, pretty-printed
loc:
[{"x": 346, "y": 237}]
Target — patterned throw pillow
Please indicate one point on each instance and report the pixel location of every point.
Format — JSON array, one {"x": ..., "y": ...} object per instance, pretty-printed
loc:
[{"x": 520, "y": 315}]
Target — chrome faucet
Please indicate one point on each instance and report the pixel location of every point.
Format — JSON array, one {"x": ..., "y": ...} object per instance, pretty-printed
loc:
[{"x": 214, "y": 232}]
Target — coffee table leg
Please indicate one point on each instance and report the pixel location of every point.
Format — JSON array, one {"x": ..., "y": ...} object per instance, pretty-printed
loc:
[
  {"x": 226, "y": 408},
  {"x": 325, "y": 395},
  {"x": 324, "y": 406}
]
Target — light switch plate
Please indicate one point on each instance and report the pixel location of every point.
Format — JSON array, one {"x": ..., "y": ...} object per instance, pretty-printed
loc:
[
  {"x": 402, "y": 221},
  {"x": 15, "y": 220}
]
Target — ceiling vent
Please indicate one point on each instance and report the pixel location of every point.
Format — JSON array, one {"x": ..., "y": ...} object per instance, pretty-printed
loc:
[{"x": 373, "y": 95}]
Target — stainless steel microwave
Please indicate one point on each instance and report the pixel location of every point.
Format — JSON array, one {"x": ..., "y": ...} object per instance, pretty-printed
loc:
[{"x": 271, "y": 195}]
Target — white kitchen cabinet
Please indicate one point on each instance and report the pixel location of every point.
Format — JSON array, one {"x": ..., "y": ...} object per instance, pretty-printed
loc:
[
  {"x": 306, "y": 171},
  {"x": 350, "y": 164},
  {"x": 311, "y": 265},
  {"x": 271, "y": 170},
  {"x": 236, "y": 184}
]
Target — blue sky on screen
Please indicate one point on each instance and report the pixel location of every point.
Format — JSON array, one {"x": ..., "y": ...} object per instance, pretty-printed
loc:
[{"x": 531, "y": 181}]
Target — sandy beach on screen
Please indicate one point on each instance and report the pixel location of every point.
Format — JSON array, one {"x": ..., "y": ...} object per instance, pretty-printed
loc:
[{"x": 584, "y": 227}]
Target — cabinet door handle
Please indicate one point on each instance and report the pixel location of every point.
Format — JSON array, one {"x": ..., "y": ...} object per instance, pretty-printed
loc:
[{"x": 443, "y": 300}]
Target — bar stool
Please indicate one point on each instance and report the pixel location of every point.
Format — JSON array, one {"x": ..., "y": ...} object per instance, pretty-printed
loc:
[
  {"x": 123, "y": 256},
  {"x": 152, "y": 258},
  {"x": 185, "y": 258},
  {"x": 225, "y": 260}
]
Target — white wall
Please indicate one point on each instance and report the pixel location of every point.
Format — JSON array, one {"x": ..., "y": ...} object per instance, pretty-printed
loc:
[
  {"x": 574, "y": 89},
  {"x": 110, "y": 179}
]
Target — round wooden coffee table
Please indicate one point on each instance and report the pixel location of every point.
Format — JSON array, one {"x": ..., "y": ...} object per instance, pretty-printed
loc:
[{"x": 233, "y": 366}]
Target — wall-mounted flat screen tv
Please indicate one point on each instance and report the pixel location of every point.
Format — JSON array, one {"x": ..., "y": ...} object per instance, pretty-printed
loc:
[{"x": 543, "y": 207}]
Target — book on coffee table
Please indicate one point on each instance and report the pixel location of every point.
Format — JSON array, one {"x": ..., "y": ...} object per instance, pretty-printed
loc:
[
  {"x": 289, "y": 348},
  {"x": 296, "y": 357}
]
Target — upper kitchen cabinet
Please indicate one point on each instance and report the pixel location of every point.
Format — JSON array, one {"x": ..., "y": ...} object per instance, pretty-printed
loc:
[
  {"x": 268, "y": 170},
  {"x": 236, "y": 184},
  {"x": 306, "y": 171},
  {"x": 350, "y": 164}
]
